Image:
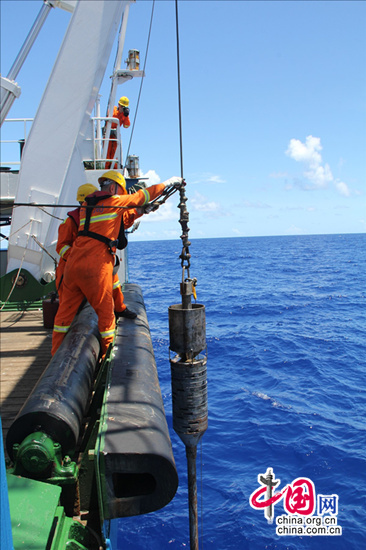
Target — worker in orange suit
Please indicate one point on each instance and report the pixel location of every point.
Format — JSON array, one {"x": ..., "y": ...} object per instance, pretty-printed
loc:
[
  {"x": 88, "y": 272},
  {"x": 67, "y": 234},
  {"x": 121, "y": 111}
]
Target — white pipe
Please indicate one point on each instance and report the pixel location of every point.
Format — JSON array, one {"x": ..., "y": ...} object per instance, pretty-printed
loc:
[
  {"x": 97, "y": 112},
  {"x": 29, "y": 41}
]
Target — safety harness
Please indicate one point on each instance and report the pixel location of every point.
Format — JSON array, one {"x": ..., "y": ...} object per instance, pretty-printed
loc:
[
  {"x": 75, "y": 215},
  {"x": 120, "y": 242}
]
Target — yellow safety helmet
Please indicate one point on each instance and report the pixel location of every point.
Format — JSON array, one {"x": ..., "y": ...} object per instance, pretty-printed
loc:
[
  {"x": 124, "y": 101},
  {"x": 116, "y": 177},
  {"x": 85, "y": 190}
]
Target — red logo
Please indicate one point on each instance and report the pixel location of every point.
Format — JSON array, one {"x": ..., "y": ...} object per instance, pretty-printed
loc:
[{"x": 300, "y": 497}]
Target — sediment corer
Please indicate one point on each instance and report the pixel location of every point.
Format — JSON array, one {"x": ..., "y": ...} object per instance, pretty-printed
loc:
[
  {"x": 58, "y": 403},
  {"x": 189, "y": 393},
  {"x": 187, "y": 331},
  {"x": 187, "y": 334}
]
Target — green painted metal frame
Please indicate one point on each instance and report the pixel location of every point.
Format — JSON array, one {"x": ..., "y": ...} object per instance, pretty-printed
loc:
[{"x": 26, "y": 294}]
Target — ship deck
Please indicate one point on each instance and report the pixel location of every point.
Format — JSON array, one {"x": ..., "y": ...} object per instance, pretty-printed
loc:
[{"x": 25, "y": 351}]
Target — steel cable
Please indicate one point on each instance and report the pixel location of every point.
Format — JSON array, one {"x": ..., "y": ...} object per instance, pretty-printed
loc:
[{"x": 142, "y": 81}]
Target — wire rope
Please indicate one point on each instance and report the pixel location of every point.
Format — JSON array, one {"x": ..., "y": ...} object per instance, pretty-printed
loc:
[
  {"x": 183, "y": 200},
  {"x": 179, "y": 94},
  {"x": 142, "y": 81}
]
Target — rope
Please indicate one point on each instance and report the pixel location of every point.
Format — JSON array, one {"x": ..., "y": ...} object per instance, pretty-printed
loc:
[
  {"x": 52, "y": 215},
  {"x": 43, "y": 248},
  {"x": 14, "y": 232},
  {"x": 142, "y": 81},
  {"x": 20, "y": 267}
]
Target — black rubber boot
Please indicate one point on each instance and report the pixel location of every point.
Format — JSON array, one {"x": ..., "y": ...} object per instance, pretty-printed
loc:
[{"x": 127, "y": 313}]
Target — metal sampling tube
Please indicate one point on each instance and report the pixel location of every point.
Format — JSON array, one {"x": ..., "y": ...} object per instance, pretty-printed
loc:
[{"x": 191, "y": 453}]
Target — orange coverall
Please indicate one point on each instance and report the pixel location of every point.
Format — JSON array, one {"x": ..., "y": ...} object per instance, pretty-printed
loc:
[
  {"x": 89, "y": 267},
  {"x": 112, "y": 145},
  {"x": 67, "y": 233}
]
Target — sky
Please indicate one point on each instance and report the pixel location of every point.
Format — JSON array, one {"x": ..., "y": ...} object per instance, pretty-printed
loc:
[{"x": 273, "y": 97}]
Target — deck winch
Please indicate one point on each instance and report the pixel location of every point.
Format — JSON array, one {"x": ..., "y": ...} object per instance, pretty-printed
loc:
[
  {"x": 187, "y": 333},
  {"x": 47, "y": 428}
]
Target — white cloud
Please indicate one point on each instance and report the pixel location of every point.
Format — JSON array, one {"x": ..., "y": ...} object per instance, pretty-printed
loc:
[
  {"x": 305, "y": 152},
  {"x": 201, "y": 204},
  {"x": 319, "y": 175},
  {"x": 215, "y": 179},
  {"x": 342, "y": 188},
  {"x": 316, "y": 171},
  {"x": 171, "y": 234},
  {"x": 205, "y": 177},
  {"x": 257, "y": 204},
  {"x": 163, "y": 214},
  {"x": 152, "y": 178},
  {"x": 294, "y": 230}
]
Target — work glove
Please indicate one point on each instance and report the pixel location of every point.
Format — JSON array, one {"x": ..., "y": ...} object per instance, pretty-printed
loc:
[
  {"x": 146, "y": 209},
  {"x": 126, "y": 111},
  {"x": 173, "y": 182},
  {"x": 150, "y": 208}
]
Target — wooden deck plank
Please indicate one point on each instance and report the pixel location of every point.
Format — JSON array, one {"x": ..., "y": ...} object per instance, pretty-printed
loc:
[{"x": 25, "y": 351}]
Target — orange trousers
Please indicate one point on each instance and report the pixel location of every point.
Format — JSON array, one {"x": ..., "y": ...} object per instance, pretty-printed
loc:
[
  {"x": 59, "y": 277},
  {"x": 86, "y": 277},
  {"x": 118, "y": 298},
  {"x": 112, "y": 146}
]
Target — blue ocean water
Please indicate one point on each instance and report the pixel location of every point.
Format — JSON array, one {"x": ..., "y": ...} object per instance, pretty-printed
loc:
[{"x": 286, "y": 384}]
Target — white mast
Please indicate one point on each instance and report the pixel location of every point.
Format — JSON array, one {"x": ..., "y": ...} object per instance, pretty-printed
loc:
[{"x": 52, "y": 166}]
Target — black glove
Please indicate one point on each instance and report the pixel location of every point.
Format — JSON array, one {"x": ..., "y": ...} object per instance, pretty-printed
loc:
[
  {"x": 126, "y": 111},
  {"x": 150, "y": 208}
]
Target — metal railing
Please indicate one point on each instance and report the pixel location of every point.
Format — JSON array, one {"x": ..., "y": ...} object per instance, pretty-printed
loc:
[
  {"x": 95, "y": 144},
  {"x": 8, "y": 145},
  {"x": 99, "y": 143}
]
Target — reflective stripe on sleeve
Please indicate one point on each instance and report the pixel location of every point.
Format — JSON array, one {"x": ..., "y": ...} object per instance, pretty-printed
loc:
[
  {"x": 64, "y": 249},
  {"x": 116, "y": 285},
  {"x": 147, "y": 196},
  {"x": 107, "y": 333},
  {"x": 57, "y": 328}
]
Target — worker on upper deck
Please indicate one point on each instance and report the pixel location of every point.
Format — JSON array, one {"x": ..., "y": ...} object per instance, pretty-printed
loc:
[
  {"x": 88, "y": 272},
  {"x": 121, "y": 111}
]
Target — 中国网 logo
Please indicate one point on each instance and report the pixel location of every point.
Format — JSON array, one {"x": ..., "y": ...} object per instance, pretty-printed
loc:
[{"x": 300, "y": 503}]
